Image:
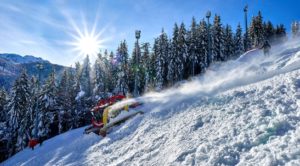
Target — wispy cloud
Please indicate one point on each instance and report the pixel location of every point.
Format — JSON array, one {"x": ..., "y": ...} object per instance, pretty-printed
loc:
[{"x": 44, "y": 29}]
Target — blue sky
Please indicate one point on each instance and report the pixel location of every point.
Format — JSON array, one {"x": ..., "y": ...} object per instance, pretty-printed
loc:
[{"x": 46, "y": 28}]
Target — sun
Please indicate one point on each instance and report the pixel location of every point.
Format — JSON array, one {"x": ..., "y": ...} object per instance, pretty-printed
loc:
[
  {"x": 86, "y": 41},
  {"x": 86, "y": 37},
  {"x": 88, "y": 45}
]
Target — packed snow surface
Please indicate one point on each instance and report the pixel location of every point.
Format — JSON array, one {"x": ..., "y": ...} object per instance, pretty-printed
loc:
[{"x": 242, "y": 112}]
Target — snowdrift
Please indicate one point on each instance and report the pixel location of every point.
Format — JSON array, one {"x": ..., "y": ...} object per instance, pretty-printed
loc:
[{"x": 242, "y": 112}]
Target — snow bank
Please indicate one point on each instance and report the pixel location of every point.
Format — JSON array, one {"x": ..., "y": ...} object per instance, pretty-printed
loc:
[
  {"x": 67, "y": 148},
  {"x": 242, "y": 112}
]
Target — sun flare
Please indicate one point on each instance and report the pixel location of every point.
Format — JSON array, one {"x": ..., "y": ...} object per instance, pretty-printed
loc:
[
  {"x": 86, "y": 41},
  {"x": 88, "y": 45}
]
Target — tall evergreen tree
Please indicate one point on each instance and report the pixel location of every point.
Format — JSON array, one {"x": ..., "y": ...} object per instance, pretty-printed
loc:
[
  {"x": 64, "y": 102},
  {"x": 145, "y": 67},
  {"x": 173, "y": 75},
  {"x": 85, "y": 78},
  {"x": 3, "y": 102},
  {"x": 136, "y": 68},
  {"x": 158, "y": 65},
  {"x": 183, "y": 53},
  {"x": 111, "y": 72},
  {"x": 161, "y": 48},
  {"x": 122, "y": 59},
  {"x": 192, "y": 38},
  {"x": 99, "y": 76},
  {"x": 160, "y": 52},
  {"x": 152, "y": 69},
  {"x": 247, "y": 41},
  {"x": 84, "y": 98},
  {"x": 4, "y": 131},
  {"x": 35, "y": 90},
  {"x": 73, "y": 90},
  {"x": 48, "y": 109},
  {"x": 217, "y": 40},
  {"x": 77, "y": 89},
  {"x": 202, "y": 47},
  {"x": 238, "y": 42},
  {"x": 228, "y": 45},
  {"x": 19, "y": 113},
  {"x": 257, "y": 34},
  {"x": 108, "y": 80}
]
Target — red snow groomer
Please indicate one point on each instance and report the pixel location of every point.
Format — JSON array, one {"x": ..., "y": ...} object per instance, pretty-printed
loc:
[
  {"x": 97, "y": 111},
  {"x": 104, "y": 111}
]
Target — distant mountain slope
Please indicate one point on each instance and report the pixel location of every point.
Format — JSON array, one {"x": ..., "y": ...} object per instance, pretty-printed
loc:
[
  {"x": 11, "y": 65},
  {"x": 15, "y": 58}
]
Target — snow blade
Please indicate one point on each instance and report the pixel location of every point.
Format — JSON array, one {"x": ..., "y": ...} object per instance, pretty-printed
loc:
[{"x": 117, "y": 121}]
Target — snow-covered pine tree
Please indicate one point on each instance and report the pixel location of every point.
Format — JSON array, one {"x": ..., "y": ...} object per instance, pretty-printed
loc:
[
  {"x": 158, "y": 65},
  {"x": 161, "y": 50},
  {"x": 78, "y": 70},
  {"x": 173, "y": 75},
  {"x": 64, "y": 103},
  {"x": 112, "y": 72},
  {"x": 202, "y": 47},
  {"x": 73, "y": 90},
  {"x": 122, "y": 58},
  {"x": 4, "y": 132},
  {"x": 19, "y": 113},
  {"x": 217, "y": 40},
  {"x": 34, "y": 87},
  {"x": 132, "y": 70},
  {"x": 152, "y": 69},
  {"x": 181, "y": 59},
  {"x": 48, "y": 114},
  {"x": 238, "y": 41},
  {"x": 107, "y": 78},
  {"x": 84, "y": 97},
  {"x": 136, "y": 68},
  {"x": 99, "y": 77},
  {"x": 3, "y": 102},
  {"x": 228, "y": 45},
  {"x": 192, "y": 37},
  {"x": 79, "y": 102},
  {"x": 145, "y": 67},
  {"x": 256, "y": 31},
  {"x": 247, "y": 40},
  {"x": 85, "y": 78}
]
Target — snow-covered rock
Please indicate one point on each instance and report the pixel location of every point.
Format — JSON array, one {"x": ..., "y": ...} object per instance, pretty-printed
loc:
[{"x": 242, "y": 112}]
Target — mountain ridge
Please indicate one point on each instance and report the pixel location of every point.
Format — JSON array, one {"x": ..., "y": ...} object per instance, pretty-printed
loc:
[
  {"x": 16, "y": 58},
  {"x": 11, "y": 65}
]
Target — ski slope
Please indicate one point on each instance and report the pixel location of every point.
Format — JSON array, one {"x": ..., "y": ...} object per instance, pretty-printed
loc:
[{"x": 242, "y": 112}]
